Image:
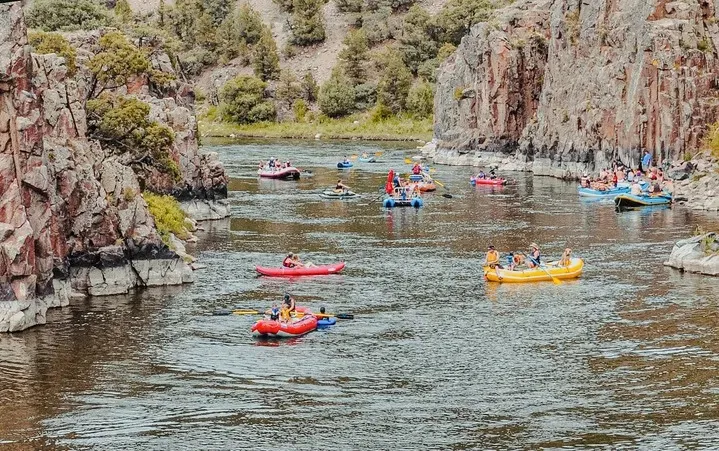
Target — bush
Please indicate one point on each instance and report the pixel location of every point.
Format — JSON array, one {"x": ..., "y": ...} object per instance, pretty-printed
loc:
[
  {"x": 243, "y": 101},
  {"x": 380, "y": 113},
  {"x": 428, "y": 70},
  {"x": 287, "y": 88},
  {"x": 265, "y": 60},
  {"x": 194, "y": 61},
  {"x": 458, "y": 16},
  {"x": 44, "y": 43},
  {"x": 376, "y": 25},
  {"x": 169, "y": 217},
  {"x": 445, "y": 51},
  {"x": 417, "y": 42},
  {"x": 420, "y": 100},
  {"x": 67, "y": 15},
  {"x": 307, "y": 23},
  {"x": 309, "y": 87},
  {"x": 299, "y": 107},
  {"x": 711, "y": 141},
  {"x": 337, "y": 97},
  {"x": 395, "y": 81},
  {"x": 353, "y": 56},
  {"x": 349, "y": 6},
  {"x": 365, "y": 96},
  {"x": 122, "y": 10},
  {"x": 242, "y": 27},
  {"x": 116, "y": 63}
]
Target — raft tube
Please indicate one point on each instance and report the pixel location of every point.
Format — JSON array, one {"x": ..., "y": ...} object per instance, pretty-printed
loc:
[
  {"x": 391, "y": 202},
  {"x": 642, "y": 200},
  {"x": 344, "y": 165},
  {"x": 324, "y": 323},
  {"x": 367, "y": 160},
  {"x": 589, "y": 192},
  {"x": 277, "y": 329},
  {"x": 495, "y": 182},
  {"x": 572, "y": 271},
  {"x": 332, "y": 194},
  {"x": 286, "y": 173},
  {"x": 294, "y": 272}
]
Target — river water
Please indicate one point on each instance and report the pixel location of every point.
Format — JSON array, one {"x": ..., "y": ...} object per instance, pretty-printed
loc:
[{"x": 436, "y": 358}]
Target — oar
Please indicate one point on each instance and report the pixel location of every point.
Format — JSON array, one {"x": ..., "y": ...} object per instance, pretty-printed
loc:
[
  {"x": 445, "y": 195},
  {"x": 554, "y": 279},
  {"x": 378, "y": 154},
  {"x": 408, "y": 161},
  {"x": 330, "y": 315}
]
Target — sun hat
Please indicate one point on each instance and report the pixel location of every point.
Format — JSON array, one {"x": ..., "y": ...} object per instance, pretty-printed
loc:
[{"x": 534, "y": 246}]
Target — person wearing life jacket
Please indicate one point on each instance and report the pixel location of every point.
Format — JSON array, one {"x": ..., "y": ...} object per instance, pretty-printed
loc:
[
  {"x": 615, "y": 179},
  {"x": 416, "y": 169},
  {"x": 289, "y": 301},
  {"x": 396, "y": 181},
  {"x": 584, "y": 181},
  {"x": 535, "y": 258},
  {"x": 346, "y": 160},
  {"x": 274, "y": 312},
  {"x": 510, "y": 261},
  {"x": 341, "y": 187},
  {"x": 285, "y": 314},
  {"x": 289, "y": 261},
  {"x": 481, "y": 175},
  {"x": 492, "y": 259},
  {"x": 492, "y": 174}
]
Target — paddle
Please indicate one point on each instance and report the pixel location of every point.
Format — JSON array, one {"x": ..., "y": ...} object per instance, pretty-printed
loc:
[
  {"x": 378, "y": 154},
  {"x": 408, "y": 161},
  {"x": 554, "y": 279},
  {"x": 445, "y": 195},
  {"x": 330, "y": 315}
]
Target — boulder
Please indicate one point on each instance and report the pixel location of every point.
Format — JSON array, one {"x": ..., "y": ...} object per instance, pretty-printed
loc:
[{"x": 698, "y": 254}]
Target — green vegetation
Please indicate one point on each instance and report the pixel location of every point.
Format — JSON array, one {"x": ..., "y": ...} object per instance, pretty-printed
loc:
[
  {"x": 395, "y": 81},
  {"x": 115, "y": 63},
  {"x": 67, "y": 15},
  {"x": 243, "y": 101},
  {"x": 309, "y": 87},
  {"x": 122, "y": 125},
  {"x": 169, "y": 217},
  {"x": 288, "y": 89},
  {"x": 122, "y": 11},
  {"x": 711, "y": 140},
  {"x": 265, "y": 60},
  {"x": 354, "y": 55},
  {"x": 307, "y": 23},
  {"x": 337, "y": 97},
  {"x": 458, "y": 16},
  {"x": 420, "y": 100},
  {"x": 44, "y": 43}
]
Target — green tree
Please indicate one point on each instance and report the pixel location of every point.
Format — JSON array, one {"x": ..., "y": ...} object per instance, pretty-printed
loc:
[
  {"x": 417, "y": 42},
  {"x": 265, "y": 60},
  {"x": 288, "y": 89},
  {"x": 44, "y": 43},
  {"x": 420, "y": 100},
  {"x": 354, "y": 55},
  {"x": 123, "y": 126},
  {"x": 218, "y": 10},
  {"x": 116, "y": 63},
  {"x": 67, "y": 15},
  {"x": 376, "y": 25},
  {"x": 349, "y": 6},
  {"x": 307, "y": 23},
  {"x": 285, "y": 5},
  {"x": 445, "y": 51},
  {"x": 249, "y": 24},
  {"x": 243, "y": 101},
  {"x": 337, "y": 96},
  {"x": 309, "y": 87},
  {"x": 458, "y": 16},
  {"x": 204, "y": 32},
  {"x": 244, "y": 26},
  {"x": 394, "y": 82},
  {"x": 123, "y": 12}
]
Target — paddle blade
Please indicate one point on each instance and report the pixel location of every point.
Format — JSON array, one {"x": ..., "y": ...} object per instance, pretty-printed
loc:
[
  {"x": 407, "y": 161},
  {"x": 353, "y": 157},
  {"x": 556, "y": 281},
  {"x": 245, "y": 312},
  {"x": 448, "y": 196},
  {"x": 345, "y": 316},
  {"x": 378, "y": 154}
]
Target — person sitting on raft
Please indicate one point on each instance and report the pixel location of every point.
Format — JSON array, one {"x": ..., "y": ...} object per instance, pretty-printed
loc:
[
  {"x": 341, "y": 187},
  {"x": 510, "y": 261},
  {"x": 534, "y": 259},
  {"x": 584, "y": 181},
  {"x": 492, "y": 260},
  {"x": 481, "y": 175},
  {"x": 416, "y": 169},
  {"x": 365, "y": 155},
  {"x": 274, "y": 312},
  {"x": 285, "y": 314},
  {"x": 296, "y": 260},
  {"x": 566, "y": 259},
  {"x": 346, "y": 160},
  {"x": 289, "y": 302},
  {"x": 396, "y": 181},
  {"x": 289, "y": 261}
]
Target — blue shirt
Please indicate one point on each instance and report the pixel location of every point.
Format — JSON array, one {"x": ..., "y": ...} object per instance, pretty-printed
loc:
[{"x": 647, "y": 160}]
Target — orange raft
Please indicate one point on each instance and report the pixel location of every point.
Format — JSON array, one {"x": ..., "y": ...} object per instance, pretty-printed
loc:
[{"x": 277, "y": 329}]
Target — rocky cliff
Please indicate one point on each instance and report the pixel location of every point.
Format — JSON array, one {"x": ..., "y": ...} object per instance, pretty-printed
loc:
[
  {"x": 72, "y": 217},
  {"x": 562, "y": 86}
]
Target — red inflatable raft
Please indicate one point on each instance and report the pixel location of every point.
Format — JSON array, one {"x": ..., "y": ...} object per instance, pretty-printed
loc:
[
  {"x": 292, "y": 272},
  {"x": 294, "y": 328},
  {"x": 286, "y": 173},
  {"x": 478, "y": 181}
]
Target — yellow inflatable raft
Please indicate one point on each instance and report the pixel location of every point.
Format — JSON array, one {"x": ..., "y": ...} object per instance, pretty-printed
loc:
[{"x": 572, "y": 271}]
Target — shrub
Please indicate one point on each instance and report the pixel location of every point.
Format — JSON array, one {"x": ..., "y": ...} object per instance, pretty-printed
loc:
[
  {"x": 169, "y": 217},
  {"x": 353, "y": 56},
  {"x": 122, "y": 10},
  {"x": 458, "y": 16},
  {"x": 243, "y": 101},
  {"x": 309, "y": 87},
  {"x": 288, "y": 89},
  {"x": 299, "y": 107},
  {"x": 307, "y": 23},
  {"x": 44, "y": 43},
  {"x": 349, "y": 6},
  {"x": 417, "y": 42},
  {"x": 365, "y": 96},
  {"x": 380, "y": 112},
  {"x": 376, "y": 25},
  {"x": 265, "y": 61},
  {"x": 445, "y": 51},
  {"x": 711, "y": 141},
  {"x": 194, "y": 61},
  {"x": 116, "y": 63},
  {"x": 428, "y": 70},
  {"x": 395, "y": 81},
  {"x": 67, "y": 15},
  {"x": 337, "y": 97},
  {"x": 420, "y": 100}
]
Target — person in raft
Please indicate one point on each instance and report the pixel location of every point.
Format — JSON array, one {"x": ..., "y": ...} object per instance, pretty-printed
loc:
[
  {"x": 346, "y": 160},
  {"x": 534, "y": 259},
  {"x": 341, "y": 187},
  {"x": 289, "y": 261},
  {"x": 285, "y": 314},
  {"x": 289, "y": 302},
  {"x": 481, "y": 175},
  {"x": 492, "y": 260},
  {"x": 296, "y": 260},
  {"x": 274, "y": 312},
  {"x": 416, "y": 169}
]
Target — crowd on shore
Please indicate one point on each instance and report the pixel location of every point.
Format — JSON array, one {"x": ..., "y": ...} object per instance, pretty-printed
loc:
[{"x": 646, "y": 178}]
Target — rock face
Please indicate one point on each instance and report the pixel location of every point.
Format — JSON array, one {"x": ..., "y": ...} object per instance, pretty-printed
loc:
[
  {"x": 699, "y": 254},
  {"x": 562, "y": 86},
  {"x": 72, "y": 217}
]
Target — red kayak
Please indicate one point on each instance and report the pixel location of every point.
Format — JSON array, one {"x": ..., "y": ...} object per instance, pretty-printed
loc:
[
  {"x": 286, "y": 173},
  {"x": 294, "y": 328},
  {"x": 478, "y": 181},
  {"x": 292, "y": 272}
]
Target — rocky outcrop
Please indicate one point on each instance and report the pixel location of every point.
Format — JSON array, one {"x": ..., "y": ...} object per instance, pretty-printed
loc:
[
  {"x": 73, "y": 221},
  {"x": 696, "y": 182},
  {"x": 562, "y": 86},
  {"x": 699, "y": 254}
]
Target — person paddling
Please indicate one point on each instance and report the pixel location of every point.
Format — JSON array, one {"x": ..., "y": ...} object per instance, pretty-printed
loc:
[
  {"x": 289, "y": 261},
  {"x": 274, "y": 312},
  {"x": 341, "y": 186},
  {"x": 289, "y": 302},
  {"x": 492, "y": 260},
  {"x": 534, "y": 259}
]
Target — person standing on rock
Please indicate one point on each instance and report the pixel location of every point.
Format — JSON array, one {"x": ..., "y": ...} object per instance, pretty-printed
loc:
[{"x": 646, "y": 162}]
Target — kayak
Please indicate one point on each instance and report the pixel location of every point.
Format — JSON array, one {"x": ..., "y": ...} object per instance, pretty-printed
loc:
[
  {"x": 286, "y": 173},
  {"x": 292, "y": 272},
  {"x": 425, "y": 187},
  {"x": 344, "y": 165},
  {"x": 367, "y": 160},
  {"x": 632, "y": 200},
  {"x": 391, "y": 202},
  {"x": 476, "y": 181},
  {"x": 590, "y": 192},
  {"x": 278, "y": 329},
  {"x": 323, "y": 323},
  {"x": 333, "y": 194},
  {"x": 572, "y": 271}
]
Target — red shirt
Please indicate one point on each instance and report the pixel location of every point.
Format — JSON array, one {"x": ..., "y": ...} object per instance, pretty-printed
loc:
[{"x": 288, "y": 263}]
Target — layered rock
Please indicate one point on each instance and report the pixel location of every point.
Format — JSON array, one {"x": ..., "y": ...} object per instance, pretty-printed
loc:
[
  {"x": 72, "y": 217},
  {"x": 562, "y": 86},
  {"x": 699, "y": 254}
]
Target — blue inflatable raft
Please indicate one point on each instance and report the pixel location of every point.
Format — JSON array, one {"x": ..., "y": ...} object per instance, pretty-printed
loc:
[
  {"x": 343, "y": 165},
  {"x": 391, "y": 202},
  {"x": 643, "y": 200},
  {"x": 589, "y": 192},
  {"x": 324, "y": 323}
]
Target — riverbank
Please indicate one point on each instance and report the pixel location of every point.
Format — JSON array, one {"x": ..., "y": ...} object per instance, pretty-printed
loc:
[{"x": 355, "y": 127}]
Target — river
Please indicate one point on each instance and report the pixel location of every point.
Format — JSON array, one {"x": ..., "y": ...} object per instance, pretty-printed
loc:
[{"x": 436, "y": 358}]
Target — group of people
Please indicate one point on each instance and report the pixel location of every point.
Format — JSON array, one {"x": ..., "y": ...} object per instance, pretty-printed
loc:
[
  {"x": 274, "y": 164},
  {"x": 293, "y": 261},
  {"x": 514, "y": 260},
  {"x": 482, "y": 175},
  {"x": 286, "y": 310},
  {"x": 609, "y": 178}
]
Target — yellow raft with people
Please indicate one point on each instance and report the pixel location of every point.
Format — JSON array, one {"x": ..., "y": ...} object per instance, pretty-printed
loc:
[{"x": 545, "y": 273}]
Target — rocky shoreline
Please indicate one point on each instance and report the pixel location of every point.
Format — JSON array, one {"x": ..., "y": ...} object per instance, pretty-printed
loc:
[
  {"x": 699, "y": 254},
  {"x": 73, "y": 221}
]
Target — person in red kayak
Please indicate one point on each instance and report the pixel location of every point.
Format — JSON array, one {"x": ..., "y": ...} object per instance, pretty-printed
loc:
[
  {"x": 298, "y": 263},
  {"x": 289, "y": 261}
]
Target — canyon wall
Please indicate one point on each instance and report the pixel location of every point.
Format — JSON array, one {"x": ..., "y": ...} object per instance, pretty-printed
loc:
[
  {"x": 562, "y": 86},
  {"x": 73, "y": 221}
]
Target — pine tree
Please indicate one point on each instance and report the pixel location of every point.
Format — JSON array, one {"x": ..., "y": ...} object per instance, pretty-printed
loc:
[
  {"x": 337, "y": 96},
  {"x": 307, "y": 23},
  {"x": 353, "y": 56},
  {"x": 309, "y": 87},
  {"x": 287, "y": 88},
  {"x": 123, "y": 11},
  {"x": 265, "y": 60},
  {"x": 395, "y": 81},
  {"x": 417, "y": 42}
]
